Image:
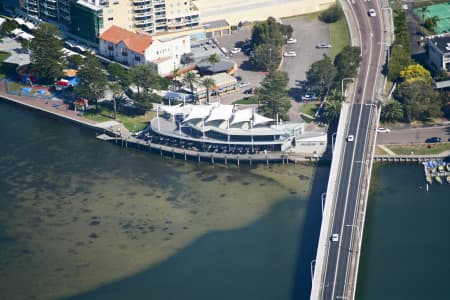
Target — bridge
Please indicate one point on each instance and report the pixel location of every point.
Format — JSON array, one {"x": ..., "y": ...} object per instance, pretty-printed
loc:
[{"x": 336, "y": 264}]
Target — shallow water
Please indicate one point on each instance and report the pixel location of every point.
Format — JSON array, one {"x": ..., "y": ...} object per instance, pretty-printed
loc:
[{"x": 84, "y": 218}]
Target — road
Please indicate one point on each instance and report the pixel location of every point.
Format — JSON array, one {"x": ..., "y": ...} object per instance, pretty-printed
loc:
[
  {"x": 337, "y": 283},
  {"x": 413, "y": 135}
]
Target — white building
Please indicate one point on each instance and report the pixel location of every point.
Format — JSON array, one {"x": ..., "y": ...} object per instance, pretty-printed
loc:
[{"x": 132, "y": 49}]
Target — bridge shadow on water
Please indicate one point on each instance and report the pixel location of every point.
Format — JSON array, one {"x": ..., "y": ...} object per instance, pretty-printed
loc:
[{"x": 268, "y": 259}]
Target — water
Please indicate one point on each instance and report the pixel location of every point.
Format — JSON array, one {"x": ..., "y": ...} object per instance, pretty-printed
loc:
[
  {"x": 84, "y": 219},
  {"x": 406, "y": 244}
]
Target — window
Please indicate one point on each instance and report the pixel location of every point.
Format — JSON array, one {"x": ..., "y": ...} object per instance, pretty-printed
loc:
[
  {"x": 137, "y": 58},
  {"x": 110, "y": 18},
  {"x": 110, "y": 48}
]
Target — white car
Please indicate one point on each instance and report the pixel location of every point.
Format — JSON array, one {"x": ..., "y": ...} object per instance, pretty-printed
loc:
[
  {"x": 236, "y": 50},
  {"x": 290, "y": 54},
  {"x": 372, "y": 13},
  {"x": 335, "y": 237},
  {"x": 323, "y": 46},
  {"x": 291, "y": 41},
  {"x": 350, "y": 138},
  {"x": 244, "y": 84},
  {"x": 383, "y": 130}
]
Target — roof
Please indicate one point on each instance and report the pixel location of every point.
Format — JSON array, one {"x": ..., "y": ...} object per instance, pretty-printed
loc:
[
  {"x": 221, "y": 112},
  {"x": 137, "y": 42},
  {"x": 199, "y": 112},
  {"x": 216, "y": 24},
  {"x": 243, "y": 115},
  {"x": 441, "y": 41}
]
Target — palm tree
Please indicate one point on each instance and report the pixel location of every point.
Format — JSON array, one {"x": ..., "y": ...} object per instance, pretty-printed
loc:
[
  {"x": 175, "y": 72},
  {"x": 117, "y": 92},
  {"x": 434, "y": 22},
  {"x": 392, "y": 111},
  {"x": 208, "y": 83},
  {"x": 190, "y": 78},
  {"x": 213, "y": 59},
  {"x": 331, "y": 111},
  {"x": 423, "y": 10}
]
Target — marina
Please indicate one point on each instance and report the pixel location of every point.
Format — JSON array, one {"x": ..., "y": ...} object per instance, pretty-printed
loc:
[{"x": 439, "y": 170}]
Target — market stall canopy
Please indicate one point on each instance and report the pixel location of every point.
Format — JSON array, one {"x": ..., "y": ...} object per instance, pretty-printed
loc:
[
  {"x": 199, "y": 112},
  {"x": 259, "y": 119}
]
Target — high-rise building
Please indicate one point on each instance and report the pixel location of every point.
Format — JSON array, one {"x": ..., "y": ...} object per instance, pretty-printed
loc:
[{"x": 151, "y": 16}]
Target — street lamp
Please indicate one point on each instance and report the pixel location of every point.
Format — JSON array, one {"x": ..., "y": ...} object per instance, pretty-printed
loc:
[
  {"x": 322, "y": 198},
  {"x": 333, "y": 136},
  {"x": 342, "y": 84}
]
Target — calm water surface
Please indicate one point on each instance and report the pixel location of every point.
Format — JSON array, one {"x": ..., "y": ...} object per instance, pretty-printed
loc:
[
  {"x": 84, "y": 219},
  {"x": 406, "y": 244}
]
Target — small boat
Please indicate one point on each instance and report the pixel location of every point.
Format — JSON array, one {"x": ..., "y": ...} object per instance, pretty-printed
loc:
[
  {"x": 448, "y": 167},
  {"x": 448, "y": 179},
  {"x": 438, "y": 179},
  {"x": 441, "y": 168},
  {"x": 429, "y": 179}
]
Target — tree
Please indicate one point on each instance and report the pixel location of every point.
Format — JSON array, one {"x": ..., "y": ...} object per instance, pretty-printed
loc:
[
  {"x": 347, "y": 62},
  {"x": 332, "y": 14},
  {"x": 146, "y": 79},
  {"x": 174, "y": 73},
  {"x": 267, "y": 32},
  {"x": 286, "y": 30},
  {"x": 208, "y": 83},
  {"x": 321, "y": 75},
  {"x": 415, "y": 72},
  {"x": 331, "y": 111},
  {"x": 118, "y": 96},
  {"x": 46, "y": 57},
  {"x": 431, "y": 23},
  {"x": 213, "y": 59},
  {"x": 420, "y": 100},
  {"x": 399, "y": 60},
  {"x": 92, "y": 80},
  {"x": 119, "y": 74},
  {"x": 7, "y": 27},
  {"x": 266, "y": 57},
  {"x": 75, "y": 60},
  {"x": 336, "y": 95},
  {"x": 423, "y": 10},
  {"x": 273, "y": 95},
  {"x": 392, "y": 111},
  {"x": 190, "y": 78}
]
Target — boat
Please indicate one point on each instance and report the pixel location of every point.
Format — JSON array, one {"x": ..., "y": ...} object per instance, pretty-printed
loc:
[
  {"x": 448, "y": 167},
  {"x": 448, "y": 179},
  {"x": 429, "y": 179},
  {"x": 438, "y": 179}
]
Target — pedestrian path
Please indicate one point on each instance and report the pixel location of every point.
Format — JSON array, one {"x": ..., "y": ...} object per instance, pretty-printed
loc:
[{"x": 386, "y": 149}]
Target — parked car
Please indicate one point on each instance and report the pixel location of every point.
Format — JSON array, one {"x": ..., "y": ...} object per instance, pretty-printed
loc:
[
  {"x": 291, "y": 41},
  {"x": 433, "y": 139},
  {"x": 335, "y": 237},
  {"x": 372, "y": 12},
  {"x": 244, "y": 84},
  {"x": 350, "y": 138},
  {"x": 249, "y": 91},
  {"x": 383, "y": 130},
  {"x": 323, "y": 46},
  {"x": 236, "y": 50},
  {"x": 290, "y": 54},
  {"x": 309, "y": 96}
]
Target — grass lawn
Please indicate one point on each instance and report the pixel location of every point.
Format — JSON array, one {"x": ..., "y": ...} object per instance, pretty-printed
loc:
[
  {"x": 133, "y": 122},
  {"x": 339, "y": 36},
  {"x": 310, "y": 108},
  {"x": 380, "y": 151},
  {"x": 419, "y": 148},
  {"x": 246, "y": 101}
]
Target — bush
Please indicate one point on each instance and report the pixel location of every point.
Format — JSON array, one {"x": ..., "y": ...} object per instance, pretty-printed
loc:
[{"x": 332, "y": 14}]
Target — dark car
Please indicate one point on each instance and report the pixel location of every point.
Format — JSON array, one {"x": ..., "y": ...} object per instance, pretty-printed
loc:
[{"x": 433, "y": 139}]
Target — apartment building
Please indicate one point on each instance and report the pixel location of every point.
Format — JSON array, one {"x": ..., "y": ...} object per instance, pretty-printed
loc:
[
  {"x": 152, "y": 16},
  {"x": 132, "y": 49}
]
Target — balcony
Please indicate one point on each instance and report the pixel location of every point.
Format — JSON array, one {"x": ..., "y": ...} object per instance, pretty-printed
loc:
[{"x": 145, "y": 15}]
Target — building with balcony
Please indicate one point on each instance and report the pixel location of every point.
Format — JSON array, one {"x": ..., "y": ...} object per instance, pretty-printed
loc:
[{"x": 132, "y": 49}]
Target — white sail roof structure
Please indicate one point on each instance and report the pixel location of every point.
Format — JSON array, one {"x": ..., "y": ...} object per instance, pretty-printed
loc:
[
  {"x": 259, "y": 119},
  {"x": 244, "y": 115},
  {"x": 199, "y": 112},
  {"x": 221, "y": 112},
  {"x": 19, "y": 21},
  {"x": 172, "y": 109},
  {"x": 29, "y": 25}
]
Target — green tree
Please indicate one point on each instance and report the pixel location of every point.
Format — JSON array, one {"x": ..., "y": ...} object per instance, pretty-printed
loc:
[
  {"x": 118, "y": 96},
  {"x": 190, "y": 78},
  {"x": 420, "y": 100},
  {"x": 347, "y": 62},
  {"x": 331, "y": 111},
  {"x": 75, "y": 60},
  {"x": 146, "y": 79},
  {"x": 286, "y": 30},
  {"x": 415, "y": 72},
  {"x": 399, "y": 60},
  {"x": 267, "y": 32},
  {"x": 7, "y": 27},
  {"x": 119, "y": 74},
  {"x": 273, "y": 95},
  {"x": 392, "y": 111},
  {"x": 332, "y": 14},
  {"x": 174, "y": 74},
  {"x": 266, "y": 57},
  {"x": 46, "y": 56},
  {"x": 208, "y": 83},
  {"x": 92, "y": 80},
  {"x": 213, "y": 59},
  {"x": 321, "y": 75},
  {"x": 336, "y": 95}
]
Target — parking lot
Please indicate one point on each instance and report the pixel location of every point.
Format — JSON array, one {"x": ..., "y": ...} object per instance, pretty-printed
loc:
[
  {"x": 308, "y": 32},
  {"x": 15, "y": 48}
]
